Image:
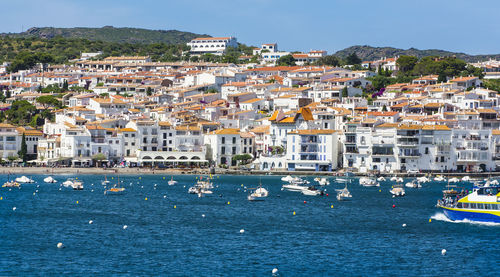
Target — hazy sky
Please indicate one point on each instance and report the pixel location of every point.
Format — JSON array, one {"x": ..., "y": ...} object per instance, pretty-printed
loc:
[{"x": 457, "y": 25}]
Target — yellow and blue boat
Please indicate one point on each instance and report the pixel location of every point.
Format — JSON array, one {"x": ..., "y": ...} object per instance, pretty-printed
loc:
[{"x": 482, "y": 204}]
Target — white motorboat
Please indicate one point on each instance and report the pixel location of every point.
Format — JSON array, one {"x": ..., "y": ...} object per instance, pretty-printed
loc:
[
  {"x": 312, "y": 191},
  {"x": 453, "y": 180},
  {"x": 341, "y": 180},
  {"x": 399, "y": 180},
  {"x": 393, "y": 179},
  {"x": 413, "y": 184},
  {"x": 397, "y": 191},
  {"x": 50, "y": 180},
  {"x": 439, "y": 178},
  {"x": 368, "y": 182},
  {"x": 77, "y": 185},
  {"x": 465, "y": 179},
  {"x": 201, "y": 187},
  {"x": 343, "y": 194},
  {"x": 172, "y": 182},
  {"x": 24, "y": 180},
  {"x": 294, "y": 187},
  {"x": 381, "y": 179},
  {"x": 322, "y": 181},
  {"x": 287, "y": 178},
  {"x": 423, "y": 179},
  {"x": 68, "y": 183}
]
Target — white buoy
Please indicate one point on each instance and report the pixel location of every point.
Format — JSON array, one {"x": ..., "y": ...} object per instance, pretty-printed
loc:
[
  {"x": 34, "y": 193},
  {"x": 203, "y": 215},
  {"x": 14, "y": 208},
  {"x": 275, "y": 271},
  {"x": 90, "y": 221},
  {"x": 91, "y": 190},
  {"x": 36, "y": 190},
  {"x": 155, "y": 185},
  {"x": 443, "y": 252},
  {"x": 142, "y": 187},
  {"x": 37, "y": 186},
  {"x": 242, "y": 231},
  {"x": 59, "y": 188},
  {"x": 60, "y": 245},
  {"x": 125, "y": 227},
  {"x": 164, "y": 196},
  {"x": 404, "y": 224}
]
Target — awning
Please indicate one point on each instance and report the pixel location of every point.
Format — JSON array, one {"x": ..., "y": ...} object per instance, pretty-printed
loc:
[{"x": 175, "y": 160}]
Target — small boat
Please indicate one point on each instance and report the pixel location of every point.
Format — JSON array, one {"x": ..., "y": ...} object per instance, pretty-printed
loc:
[
  {"x": 465, "y": 179},
  {"x": 343, "y": 194},
  {"x": 322, "y": 181},
  {"x": 258, "y": 194},
  {"x": 439, "y": 178},
  {"x": 11, "y": 184},
  {"x": 68, "y": 183},
  {"x": 368, "y": 182},
  {"x": 201, "y": 187},
  {"x": 116, "y": 189},
  {"x": 393, "y": 179},
  {"x": 287, "y": 178},
  {"x": 423, "y": 179},
  {"x": 413, "y": 184},
  {"x": 397, "y": 191},
  {"x": 77, "y": 185},
  {"x": 312, "y": 191},
  {"x": 381, "y": 179},
  {"x": 399, "y": 180},
  {"x": 172, "y": 182},
  {"x": 294, "y": 187},
  {"x": 50, "y": 180},
  {"x": 106, "y": 181},
  {"x": 341, "y": 180},
  {"x": 24, "y": 180},
  {"x": 453, "y": 180}
]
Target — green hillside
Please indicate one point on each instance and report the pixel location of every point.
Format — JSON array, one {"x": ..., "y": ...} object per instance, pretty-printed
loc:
[
  {"x": 110, "y": 34},
  {"x": 366, "y": 52}
]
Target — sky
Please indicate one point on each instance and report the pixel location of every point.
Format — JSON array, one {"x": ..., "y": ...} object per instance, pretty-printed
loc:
[{"x": 471, "y": 27}]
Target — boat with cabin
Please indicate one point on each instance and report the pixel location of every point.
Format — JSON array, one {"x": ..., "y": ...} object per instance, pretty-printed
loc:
[{"x": 480, "y": 205}]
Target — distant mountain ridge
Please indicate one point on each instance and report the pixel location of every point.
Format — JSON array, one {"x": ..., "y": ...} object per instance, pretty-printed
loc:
[
  {"x": 111, "y": 34},
  {"x": 369, "y": 53}
]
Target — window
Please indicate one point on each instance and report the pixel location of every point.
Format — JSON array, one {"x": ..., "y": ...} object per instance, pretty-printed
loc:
[
  {"x": 223, "y": 140},
  {"x": 234, "y": 140},
  {"x": 223, "y": 150}
]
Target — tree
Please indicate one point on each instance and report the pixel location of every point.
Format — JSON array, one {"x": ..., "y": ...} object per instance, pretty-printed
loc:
[
  {"x": 20, "y": 112},
  {"x": 48, "y": 101},
  {"x": 24, "y": 149},
  {"x": 352, "y": 59},
  {"x": 243, "y": 158},
  {"x": 329, "y": 60},
  {"x": 149, "y": 91},
  {"x": 406, "y": 63},
  {"x": 287, "y": 60},
  {"x": 65, "y": 86},
  {"x": 384, "y": 108},
  {"x": 99, "y": 157},
  {"x": 345, "y": 92}
]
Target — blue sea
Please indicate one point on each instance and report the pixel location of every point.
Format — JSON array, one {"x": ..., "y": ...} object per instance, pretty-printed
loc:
[{"x": 170, "y": 232}]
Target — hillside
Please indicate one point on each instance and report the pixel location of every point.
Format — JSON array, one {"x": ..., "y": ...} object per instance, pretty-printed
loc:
[
  {"x": 366, "y": 52},
  {"x": 110, "y": 34}
]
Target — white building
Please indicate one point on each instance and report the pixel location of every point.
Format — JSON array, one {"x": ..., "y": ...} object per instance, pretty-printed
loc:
[
  {"x": 312, "y": 150},
  {"x": 216, "y": 46}
]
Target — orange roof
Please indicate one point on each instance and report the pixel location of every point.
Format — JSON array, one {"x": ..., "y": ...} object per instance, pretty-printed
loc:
[
  {"x": 306, "y": 113},
  {"x": 274, "y": 116},
  {"x": 463, "y": 79},
  {"x": 290, "y": 119},
  {"x": 436, "y": 127},
  {"x": 382, "y": 113},
  {"x": 227, "y": 131}
]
